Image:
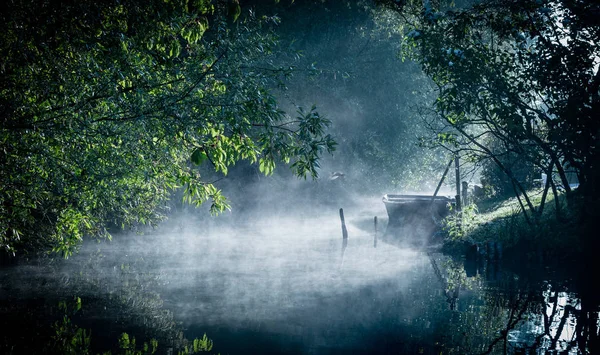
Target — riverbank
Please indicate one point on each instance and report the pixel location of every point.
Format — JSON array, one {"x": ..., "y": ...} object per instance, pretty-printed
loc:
[{"x": 499, "y": 226}]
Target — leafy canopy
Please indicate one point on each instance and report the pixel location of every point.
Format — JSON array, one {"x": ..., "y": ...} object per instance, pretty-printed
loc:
[
  {"x": 514, "y": 77},
  {"x": 107, "y": 107}
]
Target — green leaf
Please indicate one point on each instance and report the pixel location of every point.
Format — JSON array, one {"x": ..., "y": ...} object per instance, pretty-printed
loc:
[{"x": 199, "y": 156}]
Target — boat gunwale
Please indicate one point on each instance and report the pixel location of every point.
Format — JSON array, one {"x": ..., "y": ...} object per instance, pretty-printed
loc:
[{"x": 397, "y": 199}]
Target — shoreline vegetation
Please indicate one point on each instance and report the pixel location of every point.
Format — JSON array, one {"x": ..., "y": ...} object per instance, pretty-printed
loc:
[{"x": 498, "y": 223}]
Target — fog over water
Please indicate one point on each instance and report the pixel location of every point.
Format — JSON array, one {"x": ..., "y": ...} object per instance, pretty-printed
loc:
[
  {"x": 279, "y": 274},
  {"x": 269, "y": 281},
  {"x": 271, "y": 278}
]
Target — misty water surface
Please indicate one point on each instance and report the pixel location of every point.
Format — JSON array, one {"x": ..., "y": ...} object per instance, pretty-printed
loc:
[{"x": 276, "y": 282}]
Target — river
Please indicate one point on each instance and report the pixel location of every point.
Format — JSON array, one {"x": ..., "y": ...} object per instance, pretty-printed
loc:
[{"x": 279, "y": 283}]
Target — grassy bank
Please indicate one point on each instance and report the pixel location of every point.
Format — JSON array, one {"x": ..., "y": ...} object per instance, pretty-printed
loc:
[{"x": 553, "y": 234}]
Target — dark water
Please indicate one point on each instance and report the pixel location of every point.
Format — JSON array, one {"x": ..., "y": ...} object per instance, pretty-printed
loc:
[{"x": 279, "y": 284}]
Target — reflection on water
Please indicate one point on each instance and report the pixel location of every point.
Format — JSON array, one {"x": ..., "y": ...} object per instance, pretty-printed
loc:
[{"x": 278, "y": 285}]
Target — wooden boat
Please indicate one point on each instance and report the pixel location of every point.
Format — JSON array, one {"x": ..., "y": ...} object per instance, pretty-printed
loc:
[{"x": 415, "y": 218}]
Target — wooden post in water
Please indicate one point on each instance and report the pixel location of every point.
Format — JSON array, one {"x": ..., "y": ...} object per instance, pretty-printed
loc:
[
  {"x": 344, "y": 233},
  {"x": 458, "y": 196},
  {"x": 457, "y": 173},
  {"x": 375, "y": 238}
]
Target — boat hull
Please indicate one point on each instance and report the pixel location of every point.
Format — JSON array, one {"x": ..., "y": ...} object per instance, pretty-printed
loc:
[{"x": 414, "y": 219}]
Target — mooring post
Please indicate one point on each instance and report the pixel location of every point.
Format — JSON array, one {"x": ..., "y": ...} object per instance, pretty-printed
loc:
[
  {"x": 375, "y": 238},
  {"x": 457, "y": 173},
  {"x": 344, "y": 231}
]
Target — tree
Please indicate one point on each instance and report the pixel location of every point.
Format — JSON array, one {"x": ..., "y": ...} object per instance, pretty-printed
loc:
[
  {"x": 108, "y": 107},
  {"x": 522, "y": 73},
  {"x": 345, "y": 59}
]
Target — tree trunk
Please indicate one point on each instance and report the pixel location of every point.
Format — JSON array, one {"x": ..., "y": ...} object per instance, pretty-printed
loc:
[
  {"x": 545, "y": 193},
  {"x": 563, "y": 177},
  {"x": 516, "y": 184}
]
